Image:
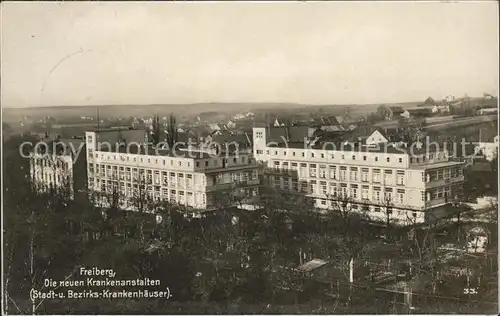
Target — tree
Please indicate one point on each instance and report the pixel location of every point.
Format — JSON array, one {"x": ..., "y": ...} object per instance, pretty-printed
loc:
[
  {"x": 172, "y": 131},
  {"x": 156, "y": 130},
  {"x": 429, "y": 101},
  {"x": 383, "y": 111},
  {"x": 352, "y": 227}
]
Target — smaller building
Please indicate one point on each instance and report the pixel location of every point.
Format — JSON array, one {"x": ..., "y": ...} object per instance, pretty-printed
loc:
[
  {"x": 394, "y": 112},
  {"x": 487, "y": 111}
]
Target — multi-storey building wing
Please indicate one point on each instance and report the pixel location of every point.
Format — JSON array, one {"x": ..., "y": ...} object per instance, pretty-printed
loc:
[
  {"x": 412, "y": 184},
  {"x": 50, "y": 171},
  {"x": 190, "y": 177},
  {"x": 56, "y": 164}
]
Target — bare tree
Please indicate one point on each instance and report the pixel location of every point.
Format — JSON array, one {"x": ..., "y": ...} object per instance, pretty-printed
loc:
[{"x": 353, "y": 230}]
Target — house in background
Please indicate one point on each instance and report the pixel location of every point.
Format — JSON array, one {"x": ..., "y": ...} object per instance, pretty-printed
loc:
[
  {"x": 377, "y": 138},
  {"x": 418, "y": 112},
  {"x": 487, "y": 111},
  {"x": 394, "y": 112},
  {"x": 277, "y": 123}
]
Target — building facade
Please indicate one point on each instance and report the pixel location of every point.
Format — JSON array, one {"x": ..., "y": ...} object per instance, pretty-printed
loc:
[
  {"x": 190, "y": 178},
  {"x": 52, "y": 172},
  {"x": 410, "y": 187}
]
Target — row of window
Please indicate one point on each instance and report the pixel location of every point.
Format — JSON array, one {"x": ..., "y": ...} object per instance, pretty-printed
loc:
[
  {"x": 50, "y": 177},
  {"x": 445, "y": 173},
  {"x": 49, "y": 163},
  {"x": 176, "y": 196},
  {"x": 187, "y": 162},
  {"x": 331, "y": 156},
  {"x": 354, "y": 191},
  {"x": 342, "y": 173},
  {"x": 367, "y": 208}
]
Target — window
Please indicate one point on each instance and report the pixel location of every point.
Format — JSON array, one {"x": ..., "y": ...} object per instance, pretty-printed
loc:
[
  {"x": 323, "y": 202},
  {"x": 400, "y": 198},
  {"x": 322, "y": 155},
  {"x": 312, "y": 170},
  {"x": 343, "y": 187},
  {"x": 364, "y": 158},
  {"x": 354, "y": 174},
  {"x": 388, "y": 195},
  {"x": 313, "y": 186},
  {"x": 446, "y": 173},
  {"x": 400, "y": 177},
  {"x": 376, "y": 194},
  {"x": 439, "y": 174},
  {"x": 376, "y": 158},
  {"x": 302, "y": 170},
  {"x": 333, "y": 172},
  {"x": 276, "y": 153},
  {"x": 388, "y": 177},
  {"x": 206, "y": 163},
  {"x": 364, "y": 192},
  {"x": 267, "y": 152},
  {"x": 333, "y": 188},
  {"x": 323, "y": 187},
  {"x": 322, "y": 171},
  {"x": 353, "y": 157},
  {"x": 364, "y": 174},
  {"x": 376, "y": 209},
  {"x": 303, "y": 154},
  {"x": 376, "y": 175},
  {"x": 343, "y": 173},
  {"x": 354, "y": 191},
  {"x": 422, "y": 196},
  {"x": 388, "y": 159},
  {"x": 293, "y": 153},
  {"x": 400, "y": 160},
  {"x": 312, "y": 155}
]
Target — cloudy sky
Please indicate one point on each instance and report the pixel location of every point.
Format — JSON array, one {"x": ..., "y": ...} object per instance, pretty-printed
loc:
[{"x": 314, "y": 53}]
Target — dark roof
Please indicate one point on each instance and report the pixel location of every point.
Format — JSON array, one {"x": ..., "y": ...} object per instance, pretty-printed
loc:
[
  {"x": 325, "y": 120},
  {"x": 227, "y": 137},
  {"x": 362, "y": 131},
  {"x": 288, "y": 133},
  {"x": 114, "y": 136}
]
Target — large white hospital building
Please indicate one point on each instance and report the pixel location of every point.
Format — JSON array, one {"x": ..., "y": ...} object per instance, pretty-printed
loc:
[{"x": 412, "y": 186}]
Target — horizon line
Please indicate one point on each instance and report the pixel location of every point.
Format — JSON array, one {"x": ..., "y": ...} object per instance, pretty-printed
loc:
[{"x": 223, "y": 102}]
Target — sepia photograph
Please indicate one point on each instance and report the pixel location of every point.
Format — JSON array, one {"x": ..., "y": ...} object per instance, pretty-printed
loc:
[{"x": 249, "y": 157}]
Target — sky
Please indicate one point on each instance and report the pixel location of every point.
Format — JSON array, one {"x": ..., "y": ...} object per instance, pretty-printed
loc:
[{"x": 102, "y": 53}]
